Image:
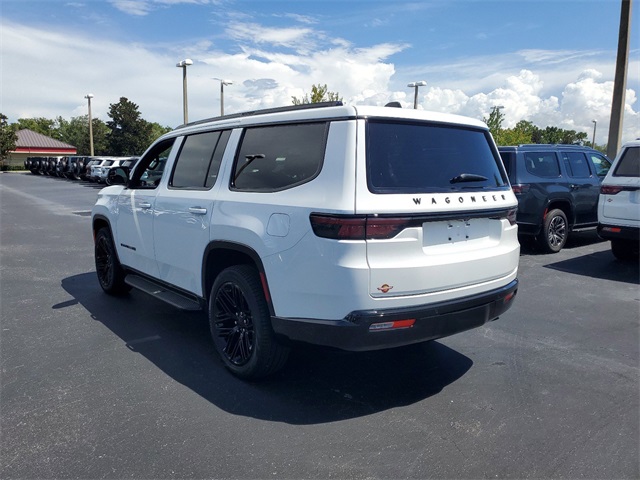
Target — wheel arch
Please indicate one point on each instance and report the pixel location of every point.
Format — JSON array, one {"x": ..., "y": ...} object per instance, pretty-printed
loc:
[
  {"x": 560, "y": 204},
  {"x": 220, "y": 255}
]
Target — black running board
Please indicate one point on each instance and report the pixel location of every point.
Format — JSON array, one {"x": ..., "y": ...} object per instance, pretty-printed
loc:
[{"x": 163, "y": 293}]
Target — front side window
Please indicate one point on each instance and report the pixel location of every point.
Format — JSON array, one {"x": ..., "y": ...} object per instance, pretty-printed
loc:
[
  {"x": 194, "y": 166},
  {"x": 629, "y": 163},
  {"x": 277, "y": 157},
  {"x": 426, "y": 157},
  {"x": 149, "y": 169},
  {"x": 601, "y": 164},
  {"x": 542, "y": 164}
]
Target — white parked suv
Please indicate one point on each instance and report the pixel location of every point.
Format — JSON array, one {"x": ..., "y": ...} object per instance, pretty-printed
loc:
[
  {"x": 619, "y": 203},
  {"x": 358, "y": 228}
]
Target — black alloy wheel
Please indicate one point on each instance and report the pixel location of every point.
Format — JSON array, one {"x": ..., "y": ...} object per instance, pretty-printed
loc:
[
  {"x": 241, "y": 327},
  {"x": 108, "y": 268}
]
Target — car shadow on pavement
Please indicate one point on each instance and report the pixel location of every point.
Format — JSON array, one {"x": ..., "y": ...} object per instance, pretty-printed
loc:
[
  {"x": 316, "y": 386},
  {"x": 600, "y": 265}
]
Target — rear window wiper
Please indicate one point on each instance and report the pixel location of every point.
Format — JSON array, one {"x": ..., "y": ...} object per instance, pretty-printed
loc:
[{"x": 468, "y": 177}]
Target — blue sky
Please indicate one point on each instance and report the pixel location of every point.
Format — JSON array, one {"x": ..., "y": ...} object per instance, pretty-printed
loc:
[{"x": 550, "y": 62}]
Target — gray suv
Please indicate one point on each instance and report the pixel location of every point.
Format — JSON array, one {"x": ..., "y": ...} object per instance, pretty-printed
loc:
[{"x": 557, "y": 187}]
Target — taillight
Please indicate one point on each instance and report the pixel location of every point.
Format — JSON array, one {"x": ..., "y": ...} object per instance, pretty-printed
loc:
[
  {"x": 512, "y": 215},
  {"x": 338, "y": 227},
  {"x": 610, "y": 189},
  {"x": 357, "y": 227},
  {"x": 520, "y": 188}
]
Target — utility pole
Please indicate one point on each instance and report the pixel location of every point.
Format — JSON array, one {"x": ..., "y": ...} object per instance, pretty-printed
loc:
[{"x": 620, "y": 80}]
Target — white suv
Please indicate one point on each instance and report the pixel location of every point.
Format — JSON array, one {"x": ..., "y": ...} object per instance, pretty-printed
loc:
[
  {"x": 358, "y": 228},
  {"x": 619, "y": 203}
]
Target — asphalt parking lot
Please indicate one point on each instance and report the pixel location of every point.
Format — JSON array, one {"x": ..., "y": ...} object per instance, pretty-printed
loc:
[{"x": 99, "y": 387}]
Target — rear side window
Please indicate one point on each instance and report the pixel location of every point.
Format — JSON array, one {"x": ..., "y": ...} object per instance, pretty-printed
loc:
[
  {"x": 195, "y": 167},
  {"x": 277, "y": 157},
  {"x": 629, "y": 163},
  {"x": 576, "y": 164},
  {"x": 426, "y": 157},
  {"x": 542, "y": 164}
]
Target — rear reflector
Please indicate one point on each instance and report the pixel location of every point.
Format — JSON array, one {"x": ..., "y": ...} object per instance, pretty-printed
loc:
[
  {"x": 612, "y": 229},
  {"x": 392, "y": 325}
]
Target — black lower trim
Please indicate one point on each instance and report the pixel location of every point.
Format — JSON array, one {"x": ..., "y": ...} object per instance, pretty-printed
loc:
[
  {"x": 624, "y": 233},
  {"x": 432, "y": 321}
]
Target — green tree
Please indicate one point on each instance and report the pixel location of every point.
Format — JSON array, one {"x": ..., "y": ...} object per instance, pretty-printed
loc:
[
  {"x": 129, "y": 133},
  {"x": 76, "y": 132},
  {"x": 319, "y": 93},
  {"x": 518, "y": 135},
  {"x": 157, "y": 131},
  {"x": 8, "y": 138},
  {"x": 44, "y": 126},
  {"x": 494, "y": 122}
]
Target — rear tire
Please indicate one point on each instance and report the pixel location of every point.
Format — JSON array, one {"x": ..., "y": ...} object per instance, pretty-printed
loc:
[
  {"x": 625, "y": 250},
  {"x": 108, "y": 268},
  {"x": 555, "y": 230},
  {"x": 240, "y": 325}
]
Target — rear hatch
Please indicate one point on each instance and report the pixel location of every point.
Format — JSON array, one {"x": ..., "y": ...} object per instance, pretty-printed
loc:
[
  {"x": 621, "y": 189},
  {"x": 440, "y": 211}
]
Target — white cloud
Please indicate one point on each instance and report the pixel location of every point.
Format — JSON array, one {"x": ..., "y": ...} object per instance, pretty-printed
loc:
[{"x": 47, "y": 73}]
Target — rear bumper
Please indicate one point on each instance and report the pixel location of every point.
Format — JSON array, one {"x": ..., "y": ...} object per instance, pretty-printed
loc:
[
  {"x": 617, "y": 232},
  {"x": 432, "y": 321}
]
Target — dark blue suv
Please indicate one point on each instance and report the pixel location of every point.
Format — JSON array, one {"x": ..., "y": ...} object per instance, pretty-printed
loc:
[{"x": 557, "y": 187}]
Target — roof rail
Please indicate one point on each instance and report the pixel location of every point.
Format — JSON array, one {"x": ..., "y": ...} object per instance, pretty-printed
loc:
[{"x": 288, "y": 108}]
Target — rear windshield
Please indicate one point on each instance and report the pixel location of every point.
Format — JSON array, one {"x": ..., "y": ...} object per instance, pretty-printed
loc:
[
  {"x": 629, "y": 163},
  {"x": 427, "y": 157}
]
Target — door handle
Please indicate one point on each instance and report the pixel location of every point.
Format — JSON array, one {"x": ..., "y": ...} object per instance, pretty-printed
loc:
[
  {"x": 198, "y": 210},
  {"x": 145, "y": 205}
]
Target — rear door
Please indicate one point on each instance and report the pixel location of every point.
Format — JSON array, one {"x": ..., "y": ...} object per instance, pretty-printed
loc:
[
  {"x": 184, "y": 208},
  {"x": 623, "y": 206},
  {"x": 585, "y": 186},
  {"x": 441, "y": 211}
]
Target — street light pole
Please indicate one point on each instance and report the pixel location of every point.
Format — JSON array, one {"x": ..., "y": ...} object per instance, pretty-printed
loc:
[
  {"x": 415, "y": 85},
  {"x": 222, "y": 84},
  {"x": 593, "y": 142},
  {"x": 184, "y": 64},
  {"x": 89, "y": 97}
]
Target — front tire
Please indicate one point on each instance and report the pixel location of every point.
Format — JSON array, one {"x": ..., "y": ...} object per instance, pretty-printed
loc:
[
  {"x": 108, "y": 268},
  {"x": 555, "y": 230},
  {"x": 241, "y": 326}
]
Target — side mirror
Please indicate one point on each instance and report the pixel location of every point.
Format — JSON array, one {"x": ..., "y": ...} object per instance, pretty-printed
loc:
[{"x": 118, "y": 176}]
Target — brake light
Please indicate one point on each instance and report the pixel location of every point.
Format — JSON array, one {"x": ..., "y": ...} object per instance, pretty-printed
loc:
[
  {"x": 520, "y": 188},
  {"x": 357, "y": 227},
  {"x": 512, "y": 215},
  {"x": 610, "y": 189},
  {"x": 338, "y": 227}
]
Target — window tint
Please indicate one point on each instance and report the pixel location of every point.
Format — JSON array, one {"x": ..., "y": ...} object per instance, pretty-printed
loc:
[
  {"x": 192, "y": 164},
  {"x": 214, "y": 167},
  {"x": 629, "y": 163},
  {"x": 542, "y": 164},
  {"x": 278, "y": 157},
  {"x": 576, "y": 164},
  {"x": 149, "y": 169},
  {"x": 424, "y": 157},
  {"x": 601, "y": 164}
]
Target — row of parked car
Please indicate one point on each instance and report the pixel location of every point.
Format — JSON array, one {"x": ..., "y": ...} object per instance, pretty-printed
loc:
[
  {"x": 92, "y": 169},
  {"x": 567, "y": 188},
  {"x": 559, "y": 188}
]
